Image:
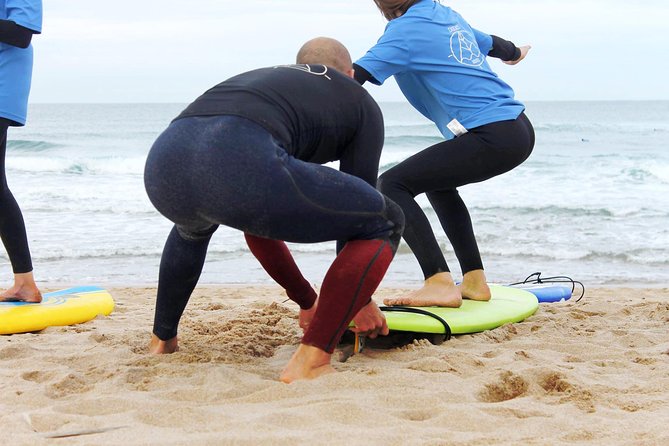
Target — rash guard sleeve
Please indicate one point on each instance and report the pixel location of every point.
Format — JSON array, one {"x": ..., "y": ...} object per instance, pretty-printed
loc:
[
  {"x": 503, "y": 49},
  {"x": 15, "y": 35}
]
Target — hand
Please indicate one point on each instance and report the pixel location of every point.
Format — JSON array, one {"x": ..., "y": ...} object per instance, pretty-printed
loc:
[
  {"x": 523, "y": 53},
  {"x": 307, "y": 315},
  {"x": 370, "y": 321}
]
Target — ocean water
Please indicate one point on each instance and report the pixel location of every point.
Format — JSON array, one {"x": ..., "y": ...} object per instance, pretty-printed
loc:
[{"x": 591, "y": 202}]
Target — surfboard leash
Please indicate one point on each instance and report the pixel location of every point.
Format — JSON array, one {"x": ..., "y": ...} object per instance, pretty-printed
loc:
[
  {"x": 536, "y": 278},
  {"x": 447, "y": 328}
]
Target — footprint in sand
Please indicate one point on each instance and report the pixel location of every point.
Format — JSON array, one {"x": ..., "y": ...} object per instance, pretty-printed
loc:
[
  {"x": 13, "y": 353},
  {"x": 72, "y": 383},
  {"x": 507, "y": 387},
  {"x": 432, "y": 365},
  {"x": 37, "y": 376},
  {"x": 554, "y": 382},
  {"x": 416, "y": 415}
]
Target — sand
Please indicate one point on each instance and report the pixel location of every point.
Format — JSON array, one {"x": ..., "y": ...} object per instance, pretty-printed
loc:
[{"x": 592, "y": 372}]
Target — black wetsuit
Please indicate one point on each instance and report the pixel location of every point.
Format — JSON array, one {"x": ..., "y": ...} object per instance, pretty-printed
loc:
[{"x": 247, "y": 154}]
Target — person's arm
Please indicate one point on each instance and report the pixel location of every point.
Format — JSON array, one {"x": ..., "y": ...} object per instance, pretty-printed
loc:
[
  {"x": 15, "y": 35},
  {"x": 503, "y": 49},
  {"x": 507, "y": 51},
  {"x": 361, "y": 75},
  {"x": 361, "y": 158}
]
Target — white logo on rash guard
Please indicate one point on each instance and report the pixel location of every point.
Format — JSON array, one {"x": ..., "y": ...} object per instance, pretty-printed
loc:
[
  {"x": 309, "y": 69},
  {"x": 465, "y": 49}
]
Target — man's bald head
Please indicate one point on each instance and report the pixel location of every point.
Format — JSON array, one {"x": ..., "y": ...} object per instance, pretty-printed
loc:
[{"x": 325, "y": 51}]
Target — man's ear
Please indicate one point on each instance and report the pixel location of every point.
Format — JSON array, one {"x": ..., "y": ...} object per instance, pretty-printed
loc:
[{"x": 350, "y": 73}]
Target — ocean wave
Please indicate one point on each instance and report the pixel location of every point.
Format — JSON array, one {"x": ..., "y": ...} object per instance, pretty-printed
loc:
[
  {"x": 19, "y": 145},
  {"x": 413, "y": 141},
  {"x": 535, "y": 254},
  {"x": 412, "y": 129},
  {"x": 599, "y": 128},
  {"x": 650, "y": 257},
  {"x": 639, "y": 175},
  {"x": 539, "y": 252},
  {"x": 90, "y": 208},
  {"x": 109, "y": 165},
  {"x": 661, "y": 172},
  {"x": 547, "y": 210}
]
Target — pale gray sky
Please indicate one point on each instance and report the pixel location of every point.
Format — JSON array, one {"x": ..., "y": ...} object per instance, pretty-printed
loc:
[{"x": 171, "y": 51}]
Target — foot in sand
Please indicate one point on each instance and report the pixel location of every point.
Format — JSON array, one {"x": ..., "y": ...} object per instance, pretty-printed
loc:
[
  {"x": 438, "y": 291},
  {"x": 24, "y": 290},
  {"x": 474, "y": 286},
  {"x": 308, "y": 362},
  {"x": 158, "y": 346}
]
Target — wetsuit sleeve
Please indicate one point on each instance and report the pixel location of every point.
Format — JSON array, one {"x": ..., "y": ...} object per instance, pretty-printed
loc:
[
  {"x": 14, "y": 35},
  {"x": 361, "y": 75},
  {"x": 483, "y": 40},
  {"x": 503, "y": 49},
  {"x": 25, "y": 13},
  {"x": 361, "y": 157},
  {"x": 388, "y": 57}
]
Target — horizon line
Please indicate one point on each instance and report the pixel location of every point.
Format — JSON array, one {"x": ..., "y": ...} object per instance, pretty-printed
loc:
[{"x": 378, "y": 101}]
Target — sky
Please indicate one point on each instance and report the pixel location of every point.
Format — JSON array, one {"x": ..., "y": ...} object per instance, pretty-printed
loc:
[{"x": 172, "y": 51}]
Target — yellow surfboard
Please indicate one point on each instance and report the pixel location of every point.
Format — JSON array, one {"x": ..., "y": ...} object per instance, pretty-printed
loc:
[{"x": 65, "y": 307}]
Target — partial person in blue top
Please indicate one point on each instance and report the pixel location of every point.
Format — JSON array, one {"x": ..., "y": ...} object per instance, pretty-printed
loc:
[
  {"x": 19, "y": 20},
  {"x": 439, "y": 62}
]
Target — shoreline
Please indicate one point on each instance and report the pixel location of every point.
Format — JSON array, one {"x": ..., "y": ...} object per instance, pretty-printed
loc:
[{"x": 47, "y": 286}]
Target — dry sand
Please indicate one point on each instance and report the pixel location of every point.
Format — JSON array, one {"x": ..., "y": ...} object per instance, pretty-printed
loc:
[{"x": 593, "y": 372}]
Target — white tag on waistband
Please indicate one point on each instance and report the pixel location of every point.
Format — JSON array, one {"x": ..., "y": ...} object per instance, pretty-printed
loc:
[{"x": 457, "y": 128}]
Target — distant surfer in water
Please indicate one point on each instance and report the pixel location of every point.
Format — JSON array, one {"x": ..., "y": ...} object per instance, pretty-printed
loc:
[
  {"x": 439, "y": 62},
  {"x": 19, "y": 20},
  {"x": 247, "y": 154}
]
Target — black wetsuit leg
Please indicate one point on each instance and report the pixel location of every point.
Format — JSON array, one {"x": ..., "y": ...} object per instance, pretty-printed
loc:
[
  {"x": 480, "y": 154},
  {"x": 206, "y": 171},
  {"x": 12, "y": 226}
]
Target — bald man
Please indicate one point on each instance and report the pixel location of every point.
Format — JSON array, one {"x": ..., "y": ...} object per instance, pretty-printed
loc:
[{"x": 247, "y": 154}]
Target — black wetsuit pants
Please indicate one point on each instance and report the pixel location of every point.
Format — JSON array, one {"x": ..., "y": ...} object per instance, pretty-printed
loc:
[
  {"x": 480, "y": 154},
  {"x": 203, "y": 172},
  {"x": 12, "y": 227}
]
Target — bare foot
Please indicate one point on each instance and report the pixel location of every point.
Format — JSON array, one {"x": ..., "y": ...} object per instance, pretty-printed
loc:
[
  {"x": 158, "y": 346},
  {"x": 474, "y": 286},
  {"x": 308, "y": 362},
  {"x": 438, "y": 291},
  {"x": 24, "y": 290}
]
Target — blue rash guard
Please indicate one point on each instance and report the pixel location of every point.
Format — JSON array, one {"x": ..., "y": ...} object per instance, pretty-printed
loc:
[
  {"x": 16, "y": 63},
  {"x": 439, "y": 63}
]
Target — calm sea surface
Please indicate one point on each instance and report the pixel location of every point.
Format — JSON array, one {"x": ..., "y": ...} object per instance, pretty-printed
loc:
[{"x": 591, "y": 202}]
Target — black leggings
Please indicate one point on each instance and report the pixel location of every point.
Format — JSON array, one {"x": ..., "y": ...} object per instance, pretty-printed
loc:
[
  {"x": 12, "y": 227},
  {"x": 203, "y": 172},
  {"x": 480, "y": 154}
]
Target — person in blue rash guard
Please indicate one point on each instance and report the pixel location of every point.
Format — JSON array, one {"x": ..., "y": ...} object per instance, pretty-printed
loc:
[
  {"x": 19, "y": 20},
  {"x": 247, "y": 154},
  {"x": 439, "y": 63}
]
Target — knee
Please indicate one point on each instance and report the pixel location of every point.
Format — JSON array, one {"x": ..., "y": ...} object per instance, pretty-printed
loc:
[
  {"x": 196, "y": 234},
  {"x": 390, "y": 182}
]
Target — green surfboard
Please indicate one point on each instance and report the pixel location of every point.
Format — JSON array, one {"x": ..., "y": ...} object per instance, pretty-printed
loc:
[{"x": 507, "y": 305}]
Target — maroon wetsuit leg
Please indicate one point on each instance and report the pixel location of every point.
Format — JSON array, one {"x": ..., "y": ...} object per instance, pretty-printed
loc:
[
  {"x": 277, "y": 260},
  {"x": 348, "y": 286}
]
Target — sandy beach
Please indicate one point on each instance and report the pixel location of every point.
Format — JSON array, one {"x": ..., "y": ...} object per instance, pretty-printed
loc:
[{"x": 592, "y": 372}]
